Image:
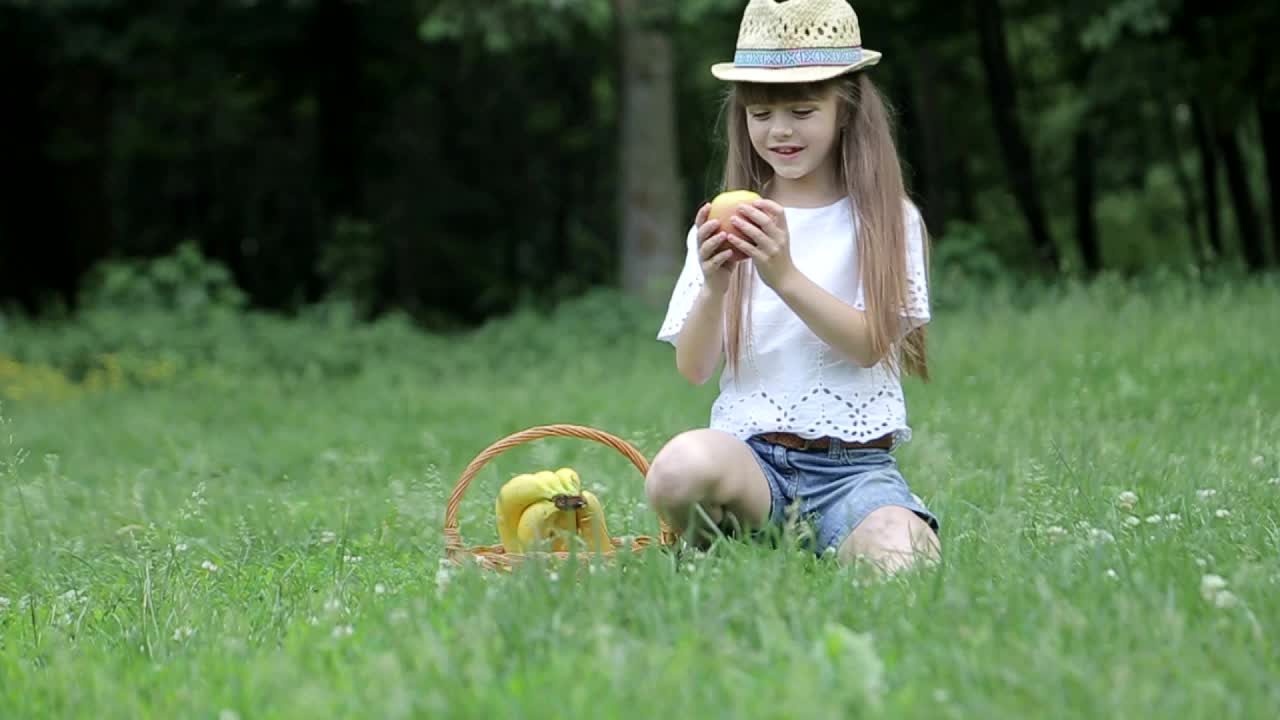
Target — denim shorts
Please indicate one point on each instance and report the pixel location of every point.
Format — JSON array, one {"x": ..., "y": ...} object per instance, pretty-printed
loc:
[{"x": 832, "y": 490}]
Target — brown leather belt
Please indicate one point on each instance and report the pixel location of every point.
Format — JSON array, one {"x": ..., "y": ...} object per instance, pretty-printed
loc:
[{"x": 795, "y": 442}]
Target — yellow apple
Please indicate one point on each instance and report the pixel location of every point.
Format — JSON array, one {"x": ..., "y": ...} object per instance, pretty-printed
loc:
[{"x": 723, "y": 207}]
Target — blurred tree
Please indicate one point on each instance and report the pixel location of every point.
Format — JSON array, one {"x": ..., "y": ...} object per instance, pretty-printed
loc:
[
  {"x": 1269, "y": 123},
  {"x": 649, "y": 200},
  {"x": 1208, "y": 177},
  {"x": 922, "y": 65},
  {"x": 650, "y": 241},
  {"x": 1078, "y": 68},
  {"x": 1002, "y": 95}
]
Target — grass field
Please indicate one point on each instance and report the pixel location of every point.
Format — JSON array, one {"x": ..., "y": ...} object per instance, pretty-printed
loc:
[{"x": 249, "y": 537}]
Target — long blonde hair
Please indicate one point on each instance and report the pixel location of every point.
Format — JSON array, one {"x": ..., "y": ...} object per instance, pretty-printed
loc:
[{"x": 871, "y": 174}]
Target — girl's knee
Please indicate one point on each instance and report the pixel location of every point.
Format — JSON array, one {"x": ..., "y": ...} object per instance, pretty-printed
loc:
[
  {"x": 893, "y": 536},
  {"x": 682, "y": 471}
]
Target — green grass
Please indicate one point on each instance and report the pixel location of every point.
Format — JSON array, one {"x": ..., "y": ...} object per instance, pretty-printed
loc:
[{"x": 318, "y": 495}]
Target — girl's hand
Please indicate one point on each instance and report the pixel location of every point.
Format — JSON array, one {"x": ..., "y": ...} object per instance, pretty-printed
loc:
[
  {"x": 770, "y": 246},
  {"x": 714, "y": 252}
]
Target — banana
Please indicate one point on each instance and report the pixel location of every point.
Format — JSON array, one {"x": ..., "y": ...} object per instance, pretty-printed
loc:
[
  {"x": 533, "y": 508},
  {"x": 566, "y": 526},
  {"x": 538, "y": 524},
  {"x": 591, "y": 526},
  {"x": 517, "y": 494},
  {"x": 523, "y": 491},
  {"x": 570, "y": 478}
]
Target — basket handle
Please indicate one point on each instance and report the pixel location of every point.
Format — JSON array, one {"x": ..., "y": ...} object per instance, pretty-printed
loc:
[{"x": 453, "y": 538}]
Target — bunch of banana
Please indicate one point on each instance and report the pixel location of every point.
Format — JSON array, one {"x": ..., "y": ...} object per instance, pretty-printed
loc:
[{"x": 535, "y": 507}]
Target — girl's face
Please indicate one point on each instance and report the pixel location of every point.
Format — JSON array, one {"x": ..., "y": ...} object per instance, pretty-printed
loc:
[{"x": 795, "y": 137}]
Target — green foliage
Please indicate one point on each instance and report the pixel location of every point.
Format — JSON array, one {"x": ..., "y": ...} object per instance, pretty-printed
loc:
[
  {"x": 513, "y": 25},
  {"x": 182, "y": 311},
  {"x": 350, "y": 264},
  {"x": 962, "y": 264},
  {"x": 1136, "y": 18},
  {"x": 185, "y": 282},
  {"x": 694, "y": 12}
]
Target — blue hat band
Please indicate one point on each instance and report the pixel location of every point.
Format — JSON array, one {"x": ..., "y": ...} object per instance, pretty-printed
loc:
[{"x": 797, "y": 57}]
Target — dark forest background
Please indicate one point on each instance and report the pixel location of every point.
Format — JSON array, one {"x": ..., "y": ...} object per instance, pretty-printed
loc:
[{"x": 456, "y": 159}]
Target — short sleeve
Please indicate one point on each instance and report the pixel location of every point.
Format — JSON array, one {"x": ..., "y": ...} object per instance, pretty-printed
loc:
[
  {"x": 917, "y": 309},
  {"x": 916, "y": 312},
  {"x": 685, "y": 292}
]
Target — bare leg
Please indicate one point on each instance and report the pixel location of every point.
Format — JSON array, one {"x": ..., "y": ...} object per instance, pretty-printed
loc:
[
  {"x": 713, "y": 470},
  {"x": 892, "y": 538}
]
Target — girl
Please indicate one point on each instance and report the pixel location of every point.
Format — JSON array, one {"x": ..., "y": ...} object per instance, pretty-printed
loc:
[{"x": 820, "y": 319}]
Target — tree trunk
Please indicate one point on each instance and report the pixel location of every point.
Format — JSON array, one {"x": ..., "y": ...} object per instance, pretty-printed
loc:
[
  {"x": 1185, "y": 185},
  {"x": 1208, "y": 178},
  {"x": 1085, "y": 188},
  {"x": 1013, "y": 144},
  {"x": 334, "y": 35},
  {"x": 929, "y": 138},
  {"x": 1084, "y": 164},
  {"x": 966, "y": 200},
  {"x": 1269, "y": 121},
  {"x": 1255, "y": 255},
  {"x": 649, "y": 198},
  {"x": 32, "y": 215},
  {"x": 89, "y": 210}
]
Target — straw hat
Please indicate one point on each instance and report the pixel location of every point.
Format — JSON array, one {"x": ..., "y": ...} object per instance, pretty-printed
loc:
[{"x": 796, "y": 41}]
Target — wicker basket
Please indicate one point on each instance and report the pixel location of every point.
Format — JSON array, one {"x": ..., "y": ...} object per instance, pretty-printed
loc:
[{"x": 495, "y": 557}]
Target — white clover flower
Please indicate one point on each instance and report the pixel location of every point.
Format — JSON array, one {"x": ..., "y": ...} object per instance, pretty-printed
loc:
[
  {"x": 1132, "y": 521},
  {"x": 1258, "y": 461},
  {"x": 352, "y": 559},
  {"x": 1154, "y": 519},
  {"x": 379, "y": 589},
  {"x": 342, "y": 631},
  {"x": 180, "y": 547},
  {"x": 1172, "y": 517},
  {"x": 182, "y": 633},
  {"x": 1206, "y": 493},
  {"x": 443, "y": 576},
  {"x": 1211, "y": 584},
  {"x": 1222, "y": 513},
  {"x": 1225, "y": 599},
  {"x": 328, "y": 536},
  {"x": 1127, "y": 499},
  {"x": 1111, "y": 574},
  {"x": 1274, "y": 481},
  {"x": 1055, "y": 532},
  {"x": 209, "y": 566},
  {"x": 1098, "y": 535}
]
